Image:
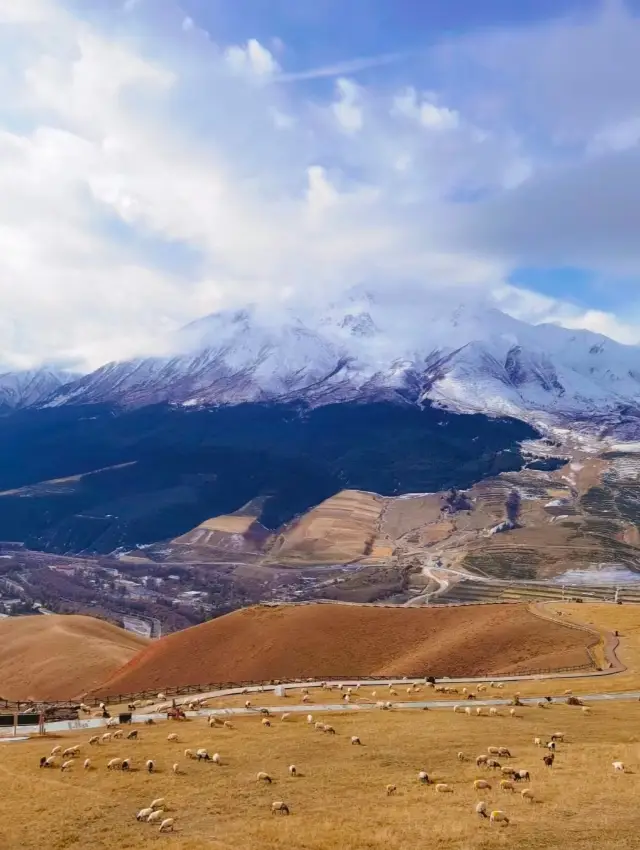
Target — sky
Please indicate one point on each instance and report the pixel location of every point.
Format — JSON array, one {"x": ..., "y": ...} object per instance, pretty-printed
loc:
[{"x": 163, "y": 160}]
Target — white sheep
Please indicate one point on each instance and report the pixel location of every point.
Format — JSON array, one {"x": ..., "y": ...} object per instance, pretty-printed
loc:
[
  {"x": 481, "y": 759},
  {"x": 161, "y": 696},
  {"x": 158, "y": 803},
  {"x": 189, "y": 754},
  {"x": 265, "y": 721},
  {"x": 527, "y": 794},
  {"x": 95, "y": 739},
  {"x": 156, "y": 817},
  {"x": 176, "y": 769},
  {"x": 285, "y": 716},
  {"x": 586, "y": 709},
  {"x": 166, "y": 825},
  {"x": 106, "y": 737},
  {"x": 112, "y": 723},
  {"x": 262, "y": 776},
  {"x": 481, "y": 809},
  {"x": 461, "y": 756},
  {"x": 228, "y": 724},
  {"x": 557, "y": 736},
  {"x": 202, "y": 754},
  {"x": 293, "y": 770},
  {"x": 328, "y": 729},
  {"x": 493, "y": 712},
  {"x": 279, "y": 807},
  {"x": 247, "y": 704},
  {"x": 355, "y": 739},
  {"x": 465, "y": 691},
  {"x": 467, "y": 711},
  {"x": 118, "y": 734},
  {"x": 423, "y": 776},
  {"x": 512, "y": 712},
  {"x": 67, "y": 765},
  {"x": 443, "y": 788},
  {"x": 506, "y": 785},
  {"x": 457, "y": 708},
  {"x": 306, "y": 699},
  {"x": 479, "y": 711},
  {"x": 143, "y": 814},
  {"x": 505, "y": 752},
  {"x": 87, "y": 764},
  {"x": 216, "y": 758},
  {"x": 618, "y": 766},
  {"x": 309, "y": 718},
  {"x": 499, "y": 817},
  {"x": 391, "y": 789},
  {"x": 537, "y": 742},
  {"x": 150, "y": 766},
  {"x": 70, "y": 752},
  {"x": 493, "y": 751},
  {"x": 173, "y": 737},
  {"x": 56, "y": 750},
  {"x": 480, "y": 784},
  {"x": 541, "y": 704},
  {"x": 114, "y": 764}
]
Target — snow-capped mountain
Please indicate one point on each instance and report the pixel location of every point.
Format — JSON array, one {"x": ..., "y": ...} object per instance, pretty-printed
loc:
[
  {"x": 471, "y": 358},
  {"x": 30, "y": 387}
]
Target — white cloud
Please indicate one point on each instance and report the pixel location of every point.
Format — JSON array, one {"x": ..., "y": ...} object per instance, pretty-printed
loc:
[
  {"x": 433, "y": 117},
  {"x": 253, "y": 59},
  {"x": 143, "y": 186},
  {"x": 347, "y": 108}
]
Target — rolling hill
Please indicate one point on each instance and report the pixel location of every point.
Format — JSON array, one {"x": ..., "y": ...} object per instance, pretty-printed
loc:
[
  {"x": 60, "y": 657},
  {"x": 327, "y": 640}
]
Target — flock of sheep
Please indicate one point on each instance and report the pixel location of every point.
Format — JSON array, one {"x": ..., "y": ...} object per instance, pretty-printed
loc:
[{"x": 490, "y": 761}]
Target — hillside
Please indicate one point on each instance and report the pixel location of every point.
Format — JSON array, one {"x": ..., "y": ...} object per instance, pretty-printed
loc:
[
  {"x": 263, "y": 643},
  {"x": 60, "y": 657}
]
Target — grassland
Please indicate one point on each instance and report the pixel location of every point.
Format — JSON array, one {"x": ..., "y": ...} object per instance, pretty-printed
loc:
[{"x": 339, "y": 801}]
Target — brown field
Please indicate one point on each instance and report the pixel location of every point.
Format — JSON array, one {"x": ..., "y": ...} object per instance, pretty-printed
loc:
[
  {"x": 339, "y": 801},
  {"x": 60, "y": 656},
  {"x": 325, "y": 640},
  {"x": 342, "y": 528},
  {"x": 229, "y": 524}
]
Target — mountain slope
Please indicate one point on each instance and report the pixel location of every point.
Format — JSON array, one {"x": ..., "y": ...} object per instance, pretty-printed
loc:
[
  {"x": 31, "y": 387},
  {"x": 327, "y": 640},
  {"x": 60, "y": 657},
  {"x": 473, "y": 357}
]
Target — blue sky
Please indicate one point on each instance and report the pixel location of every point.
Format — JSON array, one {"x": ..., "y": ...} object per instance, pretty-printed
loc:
[{"x": 163, "y": 159}]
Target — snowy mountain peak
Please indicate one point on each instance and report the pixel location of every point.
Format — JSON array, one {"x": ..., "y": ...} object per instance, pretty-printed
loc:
[
  {"x": 30, "y": 387},
  {"x": 472, "y": 357}
]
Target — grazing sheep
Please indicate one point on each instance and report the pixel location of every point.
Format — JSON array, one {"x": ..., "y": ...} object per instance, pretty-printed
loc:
[
  {"x": 43, "y": 761},
  {"x": 265, "y": 721},
  {"x": 557, "y": 736},
  {"x": 537, "y": 742},
  {"x": 70, "y": 752},
  {"x": 506, "y": 785},
  {"x": 118, "y": 734},
  {"x": 527, "y": 794},
  {"x": 87, "y": 764},
  {"x": 202, "y": 755},
  {"x": 319, "y": 726},
  {"x": 481, "y": 810},
  {"x": 56, "y": 750},
  {"x": 279, "y": 808},
  {"x": 285, "y": 716},
  {"x": 504, "y": 752},
  {"x": 293, "y": 770},
  {"x": 66, "y": 765},
  {"x": 482, "y": 759},
  {"x": 247, "y": 704},
  {"x": 467, "y": 711},
  {"x": 114, "y": 764},
  {"x": 493, "y": 751},
  {"x": 521, "y": 775},
  {"x": 329, "y": 729},
  {"x": 143, "y": 814},
  {"x": 512, "y": 712},
  {"x": 309, "y": 718},
  {"x": 158, "y": 803},
  {"x": 507, "y": 771},
  {"x": 461, "y": 756},
  {"x": 172, "y": 737},
  {"x": 391, "y": 789},
  {"x": 443, "y": 788},
  {"x": 112, "y": 723},
  {"x": 216, "y": 758},
  {"x": 551, "y": 746},
  {"x": 133, "y": 735},
  {"x": 228, "y": 724},
  {"x": 306, "y": 699},
  {"x": 618, "y": 766},
  {"x": 264, "y": 777},
  {"x": 480, "y": 784},
  {"x": 355, "y": 740},
  {"x": 499, "y": 817},
  {"x": 423, "y": 776},
  {"x": 95, "y": 739},
  {"x": 493, "y": 712},
  {"x": 150, "y": 766},
  {"x": 106, "y": 737},
  {"x": 166, "y": 825},
  {"x": 479, "y": 710},
  {"x": 155, "y": 817},
  {"x": 189, "y": 754},
  {"x": 494, "y": 763},
  {"x": 48, "y": 762},
  {"x": 465, "y": 691},
  {"x": 176, "y": 769},
  {"x": 541, "y": 704},
  {"x": 586, "y": 709},
  {"x": 126, "y": 764},
  {"x": 548, "y": 760},
  {"x": 214, "y": 721},
  {"x": 457, "y": 708}
]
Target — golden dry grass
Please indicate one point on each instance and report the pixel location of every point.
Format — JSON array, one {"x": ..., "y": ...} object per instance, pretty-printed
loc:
[
  {"x": 60, "y": 656},
  {"x": 340, "y": 800}
]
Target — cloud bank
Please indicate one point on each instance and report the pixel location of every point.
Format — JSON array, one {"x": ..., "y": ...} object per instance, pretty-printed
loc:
[{"x": 147, "y": 180}]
